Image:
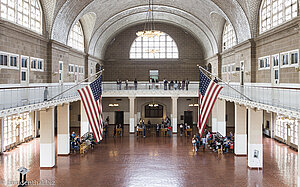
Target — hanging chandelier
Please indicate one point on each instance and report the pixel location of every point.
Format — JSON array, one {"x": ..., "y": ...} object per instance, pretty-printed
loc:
[{"x": 149, "y": 27}]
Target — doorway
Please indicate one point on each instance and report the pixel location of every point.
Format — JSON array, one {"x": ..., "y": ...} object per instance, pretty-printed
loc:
[
  {"x": 119, "y": 117},
  {"x": 188, "y": 117}
]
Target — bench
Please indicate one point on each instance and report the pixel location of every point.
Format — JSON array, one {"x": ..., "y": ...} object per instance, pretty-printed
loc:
[
  {"x": 119, "y": 130},
  {"x": 188, "y": 130},
  {"x": 83, "y": 148}
]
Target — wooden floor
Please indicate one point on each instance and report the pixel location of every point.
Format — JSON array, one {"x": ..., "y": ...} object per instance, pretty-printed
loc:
[{"x": 152, "y": 161}]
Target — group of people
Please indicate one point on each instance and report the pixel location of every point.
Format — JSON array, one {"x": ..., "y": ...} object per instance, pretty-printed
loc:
[
  {"x": 220, "y": 142},
  {"x": 142, "y": 127},
  {"x": 119, "y": 84},
  {"x": 184, "y": 129},
  {"x": 76, "y": 141},
  {"x": 176, "y": 85},
  {"x": 214, "y": 141}
]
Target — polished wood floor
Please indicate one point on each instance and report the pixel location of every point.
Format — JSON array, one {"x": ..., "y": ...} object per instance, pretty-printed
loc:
[{"x": 152, "y": 161}]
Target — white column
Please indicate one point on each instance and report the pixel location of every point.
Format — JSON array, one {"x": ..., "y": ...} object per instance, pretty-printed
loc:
[
  {"x": 131, "y": 115},
  {"x": 174, "y": 112},
  {"x": 1, "y": 126},
  {"x": 63, "y": 129},
  {"x": 240, "y": 137},
  {"x": 214, "y": 125},
  {"x": 47, "y": 143},
  {"x": 84, "y": 123},
  {"x": 298, "y": 153},
  {"x": 35, "y": 124},
  {"x": 221, "y": 118},
  {"x": 271, "y": 126},
  {"x": 255, "y": 144}
]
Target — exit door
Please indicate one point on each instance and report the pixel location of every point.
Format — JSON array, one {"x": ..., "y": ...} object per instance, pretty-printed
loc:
[
  {"x": 188, "y": 117},
  {"x": 119, "y": 117}
]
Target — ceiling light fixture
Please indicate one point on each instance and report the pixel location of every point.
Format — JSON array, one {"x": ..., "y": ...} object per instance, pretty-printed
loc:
[{"x": 149, "y": 27}]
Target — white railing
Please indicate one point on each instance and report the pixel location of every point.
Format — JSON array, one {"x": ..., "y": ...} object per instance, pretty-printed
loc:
[
  {"x": 21, "y": 96},
  {"x": 286, "y": 98}
]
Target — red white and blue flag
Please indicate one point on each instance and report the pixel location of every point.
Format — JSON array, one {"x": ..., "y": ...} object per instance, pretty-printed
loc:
[
  {"x": 208, "y": 94},
  {"x": 91, "y": 97}
]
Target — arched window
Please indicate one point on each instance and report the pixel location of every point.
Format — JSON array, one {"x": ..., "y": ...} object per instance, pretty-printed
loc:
[
  {"x": 27, "y": 13},
  {"x": 157, "y": 47},
  {"x": 76, "y": 39},
  {"x": 229, "y": 38},
  {"x": 276, "y": 12}
]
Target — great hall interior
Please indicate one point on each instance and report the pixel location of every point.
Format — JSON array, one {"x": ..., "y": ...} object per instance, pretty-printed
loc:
[{"x": 149, "y": 54}]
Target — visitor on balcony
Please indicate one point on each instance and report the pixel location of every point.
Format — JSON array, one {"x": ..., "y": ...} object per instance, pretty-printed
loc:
[
  {"x": 135, "y": 84},
  {"x": 183, "y": 85},
  {"x": 46, "y": 93},
  {"x": 171, "y": 85},
  {"x": 175, "y": 85},
  {"x": 179, "y": 85},
  {"x": 187, "y": 82},
  {"x": 165, "y": 84},
  {"x": 126, "y": 85}
]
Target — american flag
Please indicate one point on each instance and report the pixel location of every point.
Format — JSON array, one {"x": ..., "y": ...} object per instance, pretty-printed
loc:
[
  {"x": 91, "y": 97},
  {"x": 208, "y": 94}
]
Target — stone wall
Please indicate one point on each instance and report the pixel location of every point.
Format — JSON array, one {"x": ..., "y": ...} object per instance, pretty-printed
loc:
[{"x": 118, "y": 65}]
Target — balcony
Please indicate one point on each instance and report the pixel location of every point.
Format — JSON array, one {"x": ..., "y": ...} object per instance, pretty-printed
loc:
[{"x": 279, "y": 100}]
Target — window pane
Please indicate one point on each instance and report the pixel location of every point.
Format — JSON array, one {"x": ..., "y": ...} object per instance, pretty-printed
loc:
[{"x": 162, "y": 46}]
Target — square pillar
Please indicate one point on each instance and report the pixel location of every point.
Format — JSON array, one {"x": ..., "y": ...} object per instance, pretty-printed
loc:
[
  {"x": 255, "y": 144},
  {"x": 221, "y": 118},
  {"x": 214, "y": 120},
  {"x": 174, "y": 112},
  {"x": 131, "y": 114},
  {"x": 298, "y": 122},
  {"x": 47, "y": 143},
  {"x": 240, "y": 135},
  {"x": 63, "y": 129},
  {"x": 1, "y": 132},
  {"x": 84, "y": 123}
]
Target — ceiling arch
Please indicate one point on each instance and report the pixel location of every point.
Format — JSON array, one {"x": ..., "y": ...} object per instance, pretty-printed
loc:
[{"x": 197, "y": 14}]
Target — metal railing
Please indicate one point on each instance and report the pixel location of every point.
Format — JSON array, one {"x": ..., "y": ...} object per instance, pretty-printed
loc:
[
  {"x": 21, "y": 96},
  {"x": 286, "y": 98}
]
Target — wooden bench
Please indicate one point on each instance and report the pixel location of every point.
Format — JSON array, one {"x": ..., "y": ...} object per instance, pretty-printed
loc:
[
  {"x": 83, "y": 148},
  {"x": 188, "y": 130},
  {"x": 119, "y": 130}
]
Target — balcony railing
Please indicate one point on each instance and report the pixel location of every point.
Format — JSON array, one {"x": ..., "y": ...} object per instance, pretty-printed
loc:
[
  {"x": 21, "y": 96},
  {"x": 286, "y": 98}
]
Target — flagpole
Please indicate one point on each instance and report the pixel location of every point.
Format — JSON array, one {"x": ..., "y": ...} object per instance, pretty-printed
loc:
[
  {"x": 202, "y": 69},
  {"x": 99, "y": 72}
]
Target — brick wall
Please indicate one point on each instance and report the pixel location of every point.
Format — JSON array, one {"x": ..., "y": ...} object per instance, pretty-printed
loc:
[{"x": 118, "y": 66}]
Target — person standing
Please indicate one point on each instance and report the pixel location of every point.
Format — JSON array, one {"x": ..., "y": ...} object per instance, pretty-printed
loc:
[
  {"x": 181, "y": 129},
  {"x": 183, "y": 85},
  {"x": 203, "y": 143},
  {"x": 175, "y": 85},
  {"x": 194, "y": 141},
  {"x": 165, "y": 84},
  {"x": 126, "y": 85},
  {"x": 157, "y": 130},
  {"x": 46, "y": 93},
  {"x": 187, "y": 82},
  {"x": 135, "y": 84}
]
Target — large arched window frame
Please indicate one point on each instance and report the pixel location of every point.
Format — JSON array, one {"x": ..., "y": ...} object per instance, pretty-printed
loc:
[
  {"x": 276, "y": 12},
  {"x": 27, "y": 13},
  {"x": 76, "y": 37},
  {"x": 229, "y": 37},
  {"x": 157, "y": 47}
]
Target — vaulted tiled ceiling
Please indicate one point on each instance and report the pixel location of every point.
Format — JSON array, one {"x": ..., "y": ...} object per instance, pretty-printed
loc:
[{"x": 103, "y": 19}]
